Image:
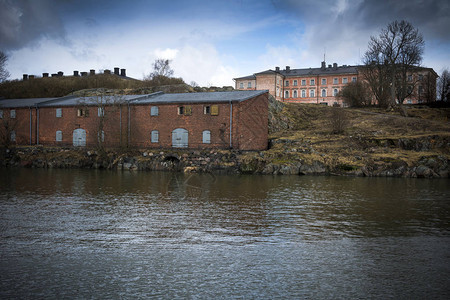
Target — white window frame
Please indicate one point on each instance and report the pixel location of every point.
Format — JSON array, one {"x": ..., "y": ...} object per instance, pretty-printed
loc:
[
  {"x": 58, "y": 137},
  {"x": 312, "y": 82},
  {"x": 335, "y": 80},
  {"x": 241, "y": 85},
  {"x": 286, "y": 83},
  {"x": 324, "y": 81},
  {"x": 353, "y": 79},
  {"x": 335, "y": 92},
  {"x": 101, "y": 111},
  {"x": 206, "y": 137},
  {"x": 312, "y": 93},
  {"x": 154, "y": 111},
  {"x": 59, "y": 112},
  {"x": 286, "y": 94},
  {"x": 295, "y": 82},
  {"x": 12, "y": 113},
  {"x": 249, "y": 85},
  {"x": 344, "y": 80},
  {"x": 303, "y": 82},
  {"x": 155, "y": 136},
  {"x": 324, "y": 91},
  {"x": 295, "y": 95},
  {"x": 303, "y": 93}
]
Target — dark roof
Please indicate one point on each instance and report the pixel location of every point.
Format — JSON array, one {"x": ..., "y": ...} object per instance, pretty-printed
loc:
[
  {"x": 27, "y": 102},
  {"x": 158, "y": 97},
  {"x": 250, "y": 77},
  {"x": 207, "y": 97}
]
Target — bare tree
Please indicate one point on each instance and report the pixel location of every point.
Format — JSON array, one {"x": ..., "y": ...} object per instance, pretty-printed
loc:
[
  {"x": 4, "y": 74},
  {"x": 396, "y": 52},
  {"x": 7, "y": 132},
  {"x": 443, "y": 86},
  {"x": 161, "y": 71}
]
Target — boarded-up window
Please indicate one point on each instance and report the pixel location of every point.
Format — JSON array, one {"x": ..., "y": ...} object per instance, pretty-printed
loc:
[
  {"x": 83, "y": 112},
  {"x": 206, "y": 137},
  {"x": 214, "y": 110},
  {"x": 155, "y": 136},
  {"x": 188, "y": 110},
  {"x": 59, "y": 136},
  {"x": 154, "y": 111},
  {"x": 12, "y": 114},
  {"x": 59, "y": 112}
]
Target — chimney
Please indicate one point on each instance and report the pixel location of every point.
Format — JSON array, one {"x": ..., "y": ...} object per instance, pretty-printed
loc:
[
  {"x": 31, "y": 77},
  {"x": 277, "y": 69},
  {"x": 335, "y": 66},
  {"x": 92, "y": 72},
  {"x": 44, "y": 74},
  {"x": 25, "y": 77},
  {"x": 329, "y": 66},
  {"x": 116, "y": 70},
  {"x": 83, "y": 73},
  {"x": 60, "y": 73},
  {"x": 107, "y": 72},
  {"x": 288, "y": 69},
  {"x": 54, "y": 75},
  {"x": 122, "y": 72},
  {"x": 323, "y": 65},
  {"x": 75, "y": 73}
]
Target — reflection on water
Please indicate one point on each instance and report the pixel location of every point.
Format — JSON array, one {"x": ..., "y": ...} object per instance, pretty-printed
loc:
[{"x": 83, "y": 234}]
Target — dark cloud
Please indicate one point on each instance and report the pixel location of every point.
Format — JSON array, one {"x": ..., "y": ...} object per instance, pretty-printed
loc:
[{"x": 23, "y": 22}]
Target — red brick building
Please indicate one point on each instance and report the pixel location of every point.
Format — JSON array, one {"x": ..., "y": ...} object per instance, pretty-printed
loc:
[
  {"x": 225, "y": 120},
  {"x": 322, "y": 85}
]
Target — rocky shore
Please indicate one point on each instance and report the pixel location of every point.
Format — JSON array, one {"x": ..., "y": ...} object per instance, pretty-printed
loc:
[{"x": 295, "y": 160}]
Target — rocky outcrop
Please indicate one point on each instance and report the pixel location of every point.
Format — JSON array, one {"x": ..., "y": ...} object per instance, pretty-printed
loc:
[{"x": 223, "y": 161}]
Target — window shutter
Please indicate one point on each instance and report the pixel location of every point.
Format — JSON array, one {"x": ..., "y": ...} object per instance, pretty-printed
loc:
[
  {"x": 59, "y": 136},
  {"x": 59, "y": 112},
  {"x": 214, "y": 110},
  {"x": 188, "y": 110},
  {"x": 154, "y": 111}
]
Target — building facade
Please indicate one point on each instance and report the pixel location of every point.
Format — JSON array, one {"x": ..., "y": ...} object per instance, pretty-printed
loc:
[
  {"x": 220, "y": 120},
  {"x": 322, "y": 85}
]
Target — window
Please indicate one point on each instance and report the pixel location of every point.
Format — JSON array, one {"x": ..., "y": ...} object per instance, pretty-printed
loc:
[
  {"x": 1, "y": 114},
  {"x": 335, "y": 92},
  {"x": 324, "y": 92},
  {"x": 249, "y": 85},
  {"x": 286, "y": 94},
  {"x": 241, "y": 85},
  {"x": 353, "y": 79},
  {"x": 101, "y": 111},
  {"x": 286, "y": 83},
  {"x": 409, "y": 77},
  {"x": 312, "y": 82},
  {"x": 12, "y": 114},
  {"x": 59, "y": 112},
  {"x": 214, "y": 110},
  {"x": 345, "y": 80},
  {"x": 420, "y": 90},
  {"x": 154, "y": 111},
  {"x": 295, "y": 82},
  {"x": 206, "y": 110},
  {"x": 335, "y": 80},
  {"x": 420, "y": 77},
  {"x": 155, "y": 136},
  {"x": 13, "y": 136},
  {"x": 295, "y": 94},
  {"x": 312, "y": 93},
  {"x": 83, "y": 112},
  {"x": 206, "y": 137},
  {"x": 324, "y": 81},
  {"x": 303, "y": 93},
  {"x": 303, "y": 81},
  {"x": 59, "y": 136},
  {"x": 185, "y": 110}
]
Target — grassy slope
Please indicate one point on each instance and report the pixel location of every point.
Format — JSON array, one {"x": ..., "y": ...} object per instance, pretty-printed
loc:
[{"x": 371, "y": 136}]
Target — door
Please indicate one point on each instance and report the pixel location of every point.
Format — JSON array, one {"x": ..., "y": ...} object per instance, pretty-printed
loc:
[
  {"x": 79, "y": 137},
  {"x": 180, "y": 138}
]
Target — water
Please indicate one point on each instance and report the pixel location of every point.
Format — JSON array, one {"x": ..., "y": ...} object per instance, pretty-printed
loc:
[{"x": 109, "y": 235}]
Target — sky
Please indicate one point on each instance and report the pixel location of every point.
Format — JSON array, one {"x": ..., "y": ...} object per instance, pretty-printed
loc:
[{"x": 208, "y": 42}]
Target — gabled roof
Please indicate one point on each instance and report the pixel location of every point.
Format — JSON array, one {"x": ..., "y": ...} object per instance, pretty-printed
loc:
[
  {"x": 158, "y": 97},
  {"x": 207, "y": 97},
  {"x": 27, "y": 102}
]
